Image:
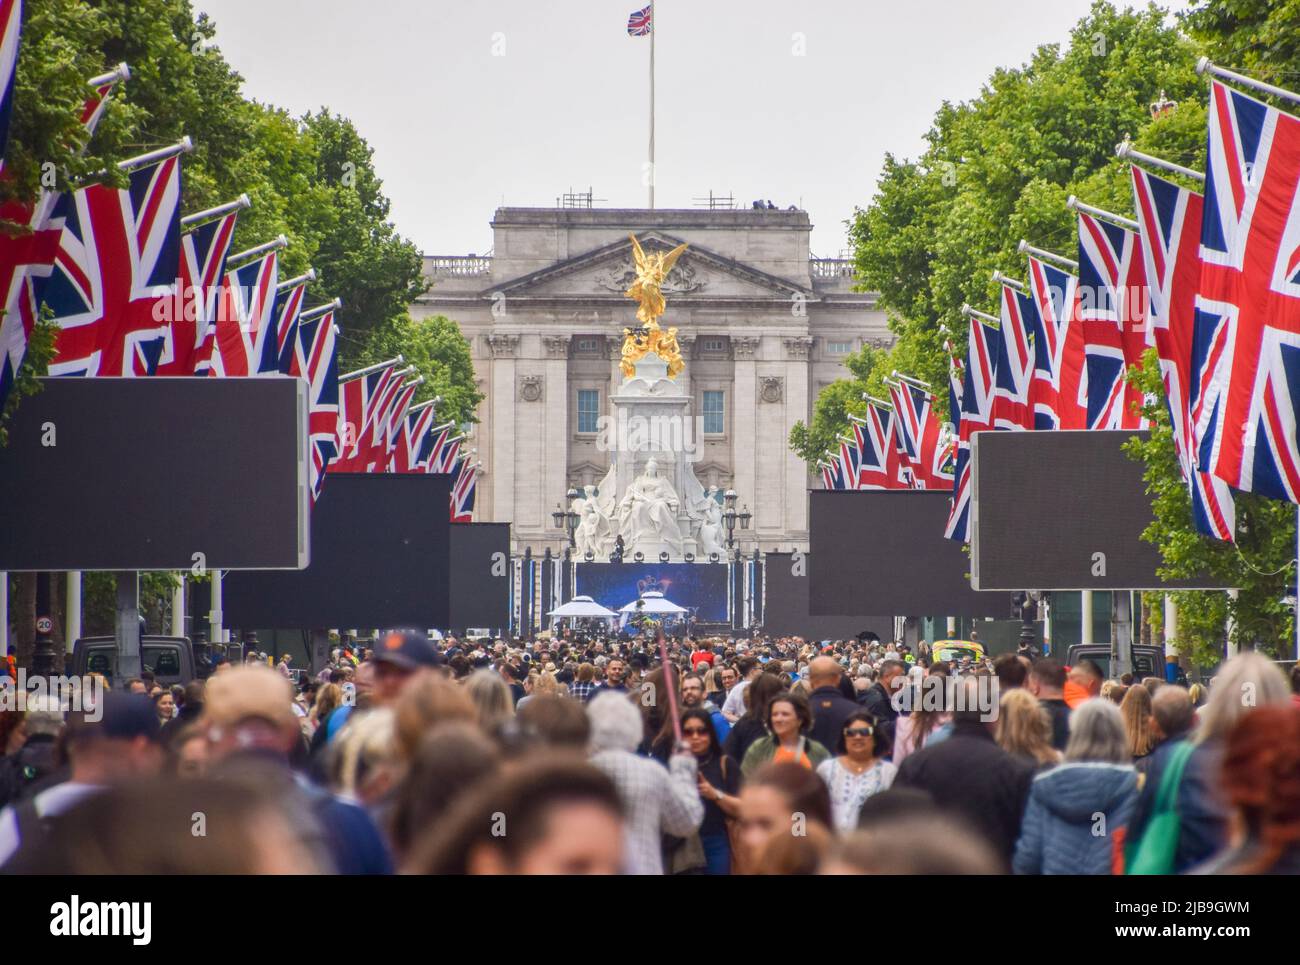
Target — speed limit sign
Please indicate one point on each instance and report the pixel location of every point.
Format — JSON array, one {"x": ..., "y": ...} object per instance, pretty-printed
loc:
[{"x": 44, "y": 624}]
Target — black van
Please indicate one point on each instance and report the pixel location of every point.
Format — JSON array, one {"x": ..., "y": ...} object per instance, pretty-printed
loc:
[
  {"x": 170, "y": 658},
  {"x": 1147, "y": 661}
]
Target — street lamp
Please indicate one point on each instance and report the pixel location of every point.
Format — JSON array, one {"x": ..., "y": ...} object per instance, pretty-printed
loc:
[
  {"x": 567, "y": 519},
  {"x": 730, "y": 516}
]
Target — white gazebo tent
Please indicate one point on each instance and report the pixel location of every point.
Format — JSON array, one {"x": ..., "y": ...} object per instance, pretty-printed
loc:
[
  {"x": 582, "y": 606},
  {"x": 652, "y": 604}
]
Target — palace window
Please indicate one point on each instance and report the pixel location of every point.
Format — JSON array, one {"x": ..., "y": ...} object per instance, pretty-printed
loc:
[
  {"x": 714, "y": 412},
  {"x": 713, "y": 345},
  {"x": 588, "y": 409},
  {"x": 839, "y": 348},
  {"x": 588, "y": 346}
]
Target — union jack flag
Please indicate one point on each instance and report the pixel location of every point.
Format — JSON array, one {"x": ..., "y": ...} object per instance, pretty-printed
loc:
[
  {"x": 357, "y": 399},
  {"x": 1017, "y": 357},
  {"x": 393, "y": 426},
  {"x": 203, "y": 264},
  {"x": 932, "y": 462},
  {"x": 1057, "y": 393},
  {"x": 435, "y": 440},
  {"x": 828, "y": 476},
  {"x": 244, "y": 318},
  {"x": 1112, "y": 297},
  {"x": 411, "y": 439},
  {"x": 872, "y": 439},
  {"x": 976, "y": 416},
  {"x": 462, "y": 493},
  {"x": 283, "y": 353},
  {"x": 450, "y": 454},
  {"x": 956, "y": 376},
  {"x": 11, "y": 20},
  {"x": 27, "y": 259},
  {"x": 851, "y": 461},
  {"x": 319, "y": 352},
  {"x": 115, "y": 272},
  {"x": 1247, "y": 333},
  {"x": 1170, "y": 231},
  {"x": 638, "y": 22}
]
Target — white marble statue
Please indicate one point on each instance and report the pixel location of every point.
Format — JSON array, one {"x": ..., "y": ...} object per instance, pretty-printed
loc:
[
  {"x": 711, "y": 539},
  {"x": 595, "y": 532},
  {"x": 647, "y": 514}
]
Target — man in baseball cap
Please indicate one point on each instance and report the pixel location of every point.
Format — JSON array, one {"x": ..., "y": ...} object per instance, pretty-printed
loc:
[{"x": 397, "y": 657}]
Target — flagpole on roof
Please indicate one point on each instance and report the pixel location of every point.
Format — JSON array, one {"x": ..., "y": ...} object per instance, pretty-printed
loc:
[
  {"x": 1074, "y": 204},
  {"x": 311, "y": 313},
  {"x": 653, "y": 31},
  {"x": 398, "y": 360},
  {"x": 1125, "y": 149},
  {"x": 1206, "y": 66},
  {"x": 1025, "y": 248},
  {"x": 239, "y": 204}
]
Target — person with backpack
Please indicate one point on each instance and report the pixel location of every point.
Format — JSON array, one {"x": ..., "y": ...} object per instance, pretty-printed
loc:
[
  {"x": 37, "y": 758},
  {"x": 116, "y": 741}
]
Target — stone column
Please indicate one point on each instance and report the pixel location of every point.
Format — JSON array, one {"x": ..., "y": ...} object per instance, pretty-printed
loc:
[
  {"x": 555, "y": 430},
  {"x": 501, "y": 403},
  {"x": 796, "y": 404},
  {"x": 744, "y": 429}
]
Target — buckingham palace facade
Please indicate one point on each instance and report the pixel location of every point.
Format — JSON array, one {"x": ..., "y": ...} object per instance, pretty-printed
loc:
[{"x": 762, "y": 325}]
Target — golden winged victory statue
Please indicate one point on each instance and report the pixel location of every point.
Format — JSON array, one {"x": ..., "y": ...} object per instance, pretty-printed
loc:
[{"x": 651, "y": 270}]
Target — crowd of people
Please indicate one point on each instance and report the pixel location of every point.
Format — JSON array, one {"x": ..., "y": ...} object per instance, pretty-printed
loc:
[{"x": 573, "y": 755}]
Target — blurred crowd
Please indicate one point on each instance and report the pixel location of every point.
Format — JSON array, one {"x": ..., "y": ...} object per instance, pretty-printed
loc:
[{"x": 693, "y": 756}]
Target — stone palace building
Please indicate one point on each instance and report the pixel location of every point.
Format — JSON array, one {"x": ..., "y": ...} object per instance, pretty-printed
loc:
[{"x": 762, "y": 325}]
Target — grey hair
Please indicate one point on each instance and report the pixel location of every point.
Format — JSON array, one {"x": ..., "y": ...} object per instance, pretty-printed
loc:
[
  {"x": 616, "y": 723},
  {"x": 1245, "y": 682},
  {"x": 491, "y": 696},
  {"x": 1097, "y": 733}
]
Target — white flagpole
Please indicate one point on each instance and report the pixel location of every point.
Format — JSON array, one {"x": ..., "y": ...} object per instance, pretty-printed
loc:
[{"x": 654, "y": 29}]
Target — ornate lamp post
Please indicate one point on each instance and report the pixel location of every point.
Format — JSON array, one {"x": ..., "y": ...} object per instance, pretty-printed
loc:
[
  {"x": 730, "y": 517},
  {"x": 567, "y": 519}
]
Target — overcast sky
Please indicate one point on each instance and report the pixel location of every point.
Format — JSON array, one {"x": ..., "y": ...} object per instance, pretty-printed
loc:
[{"x": 469, "y": 104}]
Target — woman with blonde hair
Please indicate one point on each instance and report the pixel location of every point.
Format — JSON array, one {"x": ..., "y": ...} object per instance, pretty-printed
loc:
[
  {"x": 327, "y": 699},
  {"x": 1135, "y": 708},
  {"x": 1025, "y": 730},
  {"x": 491, "y": 696},
  {"x": 543, "y": 683}
]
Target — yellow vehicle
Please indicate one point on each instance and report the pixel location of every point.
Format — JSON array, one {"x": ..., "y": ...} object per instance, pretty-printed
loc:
[{"x": 952, "y": 651}]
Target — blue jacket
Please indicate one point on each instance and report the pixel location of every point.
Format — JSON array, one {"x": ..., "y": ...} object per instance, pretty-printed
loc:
[{"x": 1072, "y": 817}]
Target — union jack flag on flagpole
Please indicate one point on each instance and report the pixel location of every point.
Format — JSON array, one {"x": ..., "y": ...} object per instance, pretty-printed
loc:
[
  {"x": 639, "y": 21},
  {"x": 435, "y": 441},
  {"x": 393, "y": 426},
  {"x": 11, "y": 22},
  {"x": 1112, "y": 308},
  {"x": 851, "y": 461},
  {"x": 203, "y": 265},
  {"x": 463, "y": 492},
  {"x": 118, "y": 259},
  {"x": 411, "y": 439},
  {"x": 1017, "y": 356},
  {"x": 1057, "y": 393},
  {"x": 318, "y": 338},
  {"x": 245, "y": 315},
  {"x": 1170, "y": 231},
  {"x": 873, "y": 440},
  {"x": 450, "y": 455},
  {"x": 27, "y": 259},
  {"x": 281, "y": 354},
  {"x": 976, "y": 416},
  {"x": 357, "y": 400},
  {"x": 1246, "y": 351}
]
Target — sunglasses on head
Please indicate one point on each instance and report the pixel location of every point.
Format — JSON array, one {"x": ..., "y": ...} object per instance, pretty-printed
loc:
[{"x": 859, "y": 732}]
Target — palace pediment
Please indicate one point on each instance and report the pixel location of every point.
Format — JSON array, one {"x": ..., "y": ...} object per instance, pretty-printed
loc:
[{"x": 607, "y": 272}]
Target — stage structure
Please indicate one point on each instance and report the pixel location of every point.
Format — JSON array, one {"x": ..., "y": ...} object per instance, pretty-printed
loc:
[{"x": 724, "y": 597}]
